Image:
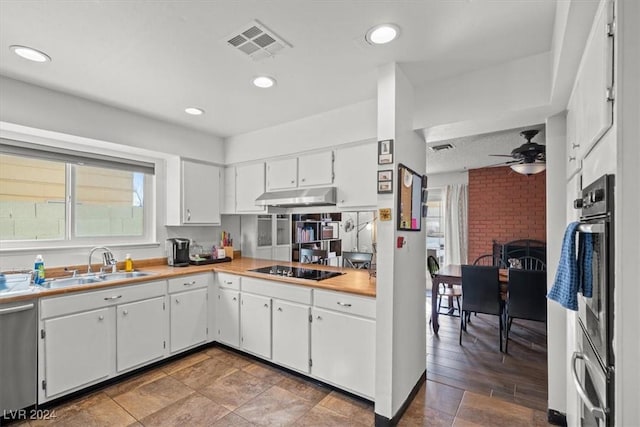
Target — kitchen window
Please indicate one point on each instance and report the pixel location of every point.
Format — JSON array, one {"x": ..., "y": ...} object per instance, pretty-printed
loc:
[{"x": 57, "y": 196}]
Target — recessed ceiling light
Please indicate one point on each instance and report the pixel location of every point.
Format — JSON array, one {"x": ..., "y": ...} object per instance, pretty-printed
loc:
[
  {"x": 30, "y": 53},
  {"x": 264, "y": 82},
  {"x": 194, "y": 111},
  {"x": 381, "y": 34}
]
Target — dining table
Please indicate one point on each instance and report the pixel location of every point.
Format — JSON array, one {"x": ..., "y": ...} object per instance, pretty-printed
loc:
[{"x": 451, "y": 275}]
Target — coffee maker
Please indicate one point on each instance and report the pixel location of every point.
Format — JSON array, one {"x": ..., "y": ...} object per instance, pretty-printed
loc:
[{"x": 177, "y": 252}]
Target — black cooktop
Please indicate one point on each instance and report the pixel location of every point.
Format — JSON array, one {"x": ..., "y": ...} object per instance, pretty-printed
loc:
[{"x": 296, "y": 272}]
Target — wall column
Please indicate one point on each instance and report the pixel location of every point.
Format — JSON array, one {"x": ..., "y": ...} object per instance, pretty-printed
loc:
[{"x": 401, "y": 276}]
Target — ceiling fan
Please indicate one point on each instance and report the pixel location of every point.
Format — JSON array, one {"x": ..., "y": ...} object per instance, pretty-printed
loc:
[{"x": 529, "y": 158}]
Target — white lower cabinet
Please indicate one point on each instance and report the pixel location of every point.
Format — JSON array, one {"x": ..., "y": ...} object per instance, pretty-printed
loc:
[
  {"x": 188, "y": 319},
  {"x": 228, "y": 317},
  {"x": 255, "y": 315},
  {"x": 140, "y": 334},
  {"x": 343, "y": 350},
  {"x": 78, "y": 350},
  {"x": 291, "y": 335}
]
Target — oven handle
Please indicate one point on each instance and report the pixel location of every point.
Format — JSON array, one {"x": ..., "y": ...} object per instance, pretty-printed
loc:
[
  {"x": 595, "y": 410},
  {"x": 591, "y": 228}
]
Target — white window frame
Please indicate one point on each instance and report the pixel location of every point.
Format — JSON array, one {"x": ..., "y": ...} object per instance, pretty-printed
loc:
[{"x": 70, "y": 142}]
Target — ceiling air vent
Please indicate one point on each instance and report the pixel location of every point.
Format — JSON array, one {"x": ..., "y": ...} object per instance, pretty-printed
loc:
[
  {"x": 256, "y": 41},
  {"x": 441, "y": 147}
]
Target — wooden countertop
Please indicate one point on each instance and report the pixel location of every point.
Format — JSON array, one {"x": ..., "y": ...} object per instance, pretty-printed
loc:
[{"x": 353, "y": 281}]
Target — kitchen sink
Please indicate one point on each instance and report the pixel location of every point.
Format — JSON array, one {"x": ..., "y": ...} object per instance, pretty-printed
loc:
[{"x": 93, "y": 278}]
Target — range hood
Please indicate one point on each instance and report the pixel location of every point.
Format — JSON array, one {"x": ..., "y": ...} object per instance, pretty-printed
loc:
[{"x": 323, "y": 196}]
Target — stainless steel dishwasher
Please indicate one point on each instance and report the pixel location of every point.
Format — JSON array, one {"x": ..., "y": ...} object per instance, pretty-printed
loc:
[{"x": 18, "y": 355}]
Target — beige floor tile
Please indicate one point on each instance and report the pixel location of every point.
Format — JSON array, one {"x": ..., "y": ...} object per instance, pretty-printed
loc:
[
  {"x": 235, "y": 389},
  {"x": 425, "y": 417},
  {"x": 274, "y": 407},
  {"x": 349, "y": 407},
  {"x": 204, "y": 373},
  {"x": 227, "y": 356},
  {"x": 232, "y": 420},
  {"x": 265, "y": 372},
  {"x": 184, "y": 362},
  {"x": 306, "y": 389},
  {"x": 152, "y": 397},
  {"x": 97, "y": 409},
  {"x": 458, "y": 422},
  {"x": 319, "y": 416},
  {"x": 193, "y": 410},
  {"x": 134, "y": 382}
]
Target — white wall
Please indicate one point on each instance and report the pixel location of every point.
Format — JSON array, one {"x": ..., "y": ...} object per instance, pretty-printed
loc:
[
  {"x": 436, "y": 180},
  {"x": 556, "y": 223},
  {"x": 55, "y": 117},
  {"x": 351, "y": 123},
  {"x": 401, "y": 277}
]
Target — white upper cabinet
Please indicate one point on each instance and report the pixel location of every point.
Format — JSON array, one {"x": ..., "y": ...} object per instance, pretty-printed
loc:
[
  {"x": 590, "y": 109},
  {"x": 309, "y": 170},
  {"x": 315, "y": 169},
  {"x": 193, "y": 193},
  {"x": 249, "y": 186},
  {"x": 356, "y": 168},
  {"x": 229, "y": 189},
  {"x": 282, "y": 174}
]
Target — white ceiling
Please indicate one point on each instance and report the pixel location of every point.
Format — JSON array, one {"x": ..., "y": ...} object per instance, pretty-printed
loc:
[
  {"x": 473, "y": 152},
  {"x": 158, "y": 57}
]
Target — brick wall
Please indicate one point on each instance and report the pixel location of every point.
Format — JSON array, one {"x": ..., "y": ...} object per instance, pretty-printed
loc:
[{"x": 504, "y": 206}]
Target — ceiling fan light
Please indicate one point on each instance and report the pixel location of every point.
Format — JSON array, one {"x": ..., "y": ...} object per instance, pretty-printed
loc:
[{"x": 529, "y": 168}]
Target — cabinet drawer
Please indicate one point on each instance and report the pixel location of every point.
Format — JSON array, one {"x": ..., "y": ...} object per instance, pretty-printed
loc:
[
  {"x": 56, "y": 306},
  {"x": 231, "y": 281},
  {"x": 185, "y": 283},
  {"x": 346, "y": 303},
  {"x": 300, "y": 294}
]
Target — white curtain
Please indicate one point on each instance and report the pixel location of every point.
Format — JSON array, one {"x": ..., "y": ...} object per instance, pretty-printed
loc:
[{"x": 455, "y": 224}]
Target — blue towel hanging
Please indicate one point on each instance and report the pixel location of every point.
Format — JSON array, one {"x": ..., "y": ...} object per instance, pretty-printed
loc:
[{"x": 565, "y": 286}]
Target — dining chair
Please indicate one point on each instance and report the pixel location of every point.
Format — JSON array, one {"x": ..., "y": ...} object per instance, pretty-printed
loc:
[
  {"x": 480, "y": 294},
  {"x": 357, "y": 259},
  {"x": 527, "y": 298},
  {"x": 489, "y": 259},
  {"x": 532, "y": 263},
  {"x": 444, "y": 289}
]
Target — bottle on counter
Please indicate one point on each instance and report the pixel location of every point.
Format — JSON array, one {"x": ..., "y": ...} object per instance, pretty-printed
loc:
[
  {"x": 38, "y": 268},
  {"x": 128, "y": 263}
]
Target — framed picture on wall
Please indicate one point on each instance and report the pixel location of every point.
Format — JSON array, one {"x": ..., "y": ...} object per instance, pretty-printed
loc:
[
  {"x": 385, "y": 152},
  {"x": 385, "y": 187}
]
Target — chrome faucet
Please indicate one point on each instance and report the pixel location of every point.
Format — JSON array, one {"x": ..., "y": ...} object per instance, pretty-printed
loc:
[{"x": 107, "y": 259}]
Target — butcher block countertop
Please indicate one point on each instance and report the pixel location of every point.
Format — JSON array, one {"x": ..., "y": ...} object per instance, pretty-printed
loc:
[{"x": 353, "y": 281}]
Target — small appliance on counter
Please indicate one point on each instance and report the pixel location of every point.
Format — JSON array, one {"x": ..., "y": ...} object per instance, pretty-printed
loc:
[{"x": 177, "y": 252}]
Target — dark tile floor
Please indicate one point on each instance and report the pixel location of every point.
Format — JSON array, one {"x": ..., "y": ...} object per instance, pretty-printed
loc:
[{"x": 472, "y": 385}]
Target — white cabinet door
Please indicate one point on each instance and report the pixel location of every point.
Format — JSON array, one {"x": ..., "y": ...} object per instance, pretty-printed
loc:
[
  {"x": 228, "y": 317},
  {"x": 139, "y": 332},
  {"x": 291, "y": 335},
  {"x": 596, "y": 76},
  {"x": 201, "y": 193},
  {"x": 249, "y": 186},
  {"x": 78, "y": 350},
  {"x": 343, "y": 350},
  {"x": 572, "y": 160},
  {"x": 282, "y": 174},
  {"x": 315, "y": 169},
  {"x": 263, "y": 252},
  {"x": 255, "y": 318},
  {"x": 229, "y": 189},
  {"x": 188, "y": 319},
  {"x": 356, "y": 178},
  {"x": 281, "y": 253}
]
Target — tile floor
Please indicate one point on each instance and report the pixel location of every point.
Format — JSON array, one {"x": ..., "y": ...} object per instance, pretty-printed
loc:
[{"x": 219, "y": 387}]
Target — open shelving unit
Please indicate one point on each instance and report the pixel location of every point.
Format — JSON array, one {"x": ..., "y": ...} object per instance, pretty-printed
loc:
[{"x": 320, "y": 232}]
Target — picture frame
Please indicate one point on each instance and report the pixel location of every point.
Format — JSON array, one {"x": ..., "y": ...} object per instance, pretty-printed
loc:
[
  {"x": 385, "y": 175},
  {"x": 385, "y": 187},
  {"x": 385, "y": 152}
]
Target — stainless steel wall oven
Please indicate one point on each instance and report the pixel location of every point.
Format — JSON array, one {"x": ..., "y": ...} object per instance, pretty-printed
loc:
[{"x": 594, "y": 362}]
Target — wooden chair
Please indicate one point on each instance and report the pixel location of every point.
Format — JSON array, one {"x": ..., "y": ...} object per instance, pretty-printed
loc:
[
  {"x": 481, "y": 294},
  {"x": 527, "y": 298},
  {"x": 489, "y": 259},
  {"x": 532, "y": 263},
  {"x": 444, "y": 289}
]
